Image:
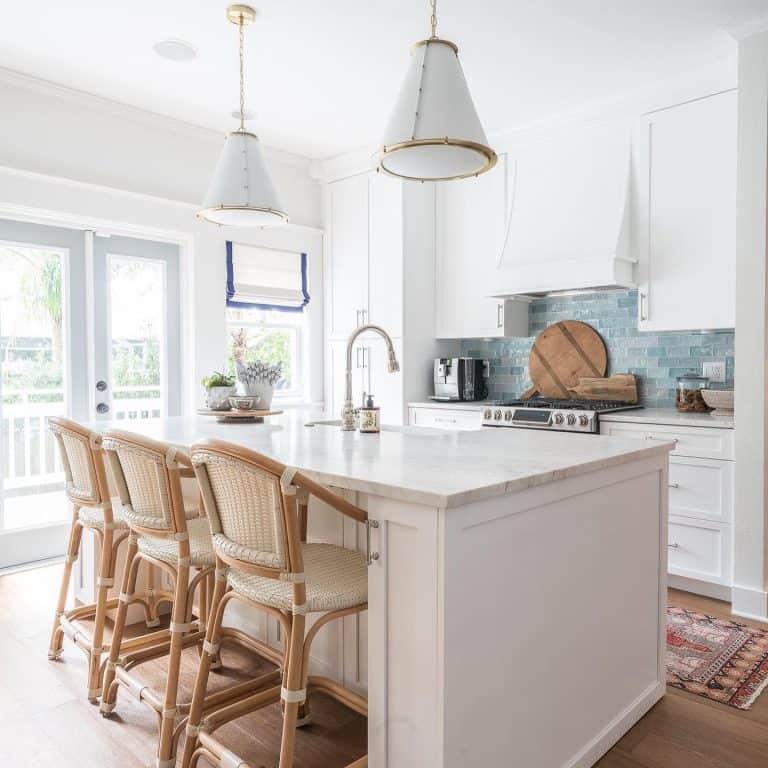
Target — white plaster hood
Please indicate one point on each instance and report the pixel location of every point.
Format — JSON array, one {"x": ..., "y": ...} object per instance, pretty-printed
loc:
[{"x": 568, "y": 226}]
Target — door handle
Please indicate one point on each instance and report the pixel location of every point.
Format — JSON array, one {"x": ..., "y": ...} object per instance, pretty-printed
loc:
[
  {"x": 102, "y": 408},
  {"x": 370, "y": 556},
  {"x": 499, "y": 315},
  {"x": 643, "y": 311}
]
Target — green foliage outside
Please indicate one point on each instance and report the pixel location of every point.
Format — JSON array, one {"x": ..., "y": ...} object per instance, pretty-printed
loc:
[{"x": 266, "y": 345}]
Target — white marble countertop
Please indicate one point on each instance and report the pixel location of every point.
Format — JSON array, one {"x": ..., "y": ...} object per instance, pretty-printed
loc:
[
  {"x": 429, "y": 466},
  {"x": 672, "y": 417}
]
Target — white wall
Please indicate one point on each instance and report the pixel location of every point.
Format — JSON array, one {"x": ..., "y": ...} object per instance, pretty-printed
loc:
[
  {"x": 750, "y": 597},
  {"x": 106, "y": 166}
]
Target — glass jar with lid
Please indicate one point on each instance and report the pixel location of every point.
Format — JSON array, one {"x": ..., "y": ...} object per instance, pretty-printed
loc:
[{"x": 689, "y": 397}]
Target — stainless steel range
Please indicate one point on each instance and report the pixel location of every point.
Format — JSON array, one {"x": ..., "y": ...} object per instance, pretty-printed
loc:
[{"x": 558, "y": 415}]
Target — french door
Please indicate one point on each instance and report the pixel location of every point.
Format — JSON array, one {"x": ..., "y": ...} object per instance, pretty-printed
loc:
[{"x": 89, "y": 329}]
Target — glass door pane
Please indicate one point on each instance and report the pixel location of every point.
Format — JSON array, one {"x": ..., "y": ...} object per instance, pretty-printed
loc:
[
  {"x": 42, "y": 364},
  {"x": 137, "y": 355},
  {"x": 137, "y": 330}
]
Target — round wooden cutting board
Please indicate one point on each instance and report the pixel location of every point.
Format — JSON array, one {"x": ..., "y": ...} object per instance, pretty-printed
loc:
[{"x": 563, "y": 353}]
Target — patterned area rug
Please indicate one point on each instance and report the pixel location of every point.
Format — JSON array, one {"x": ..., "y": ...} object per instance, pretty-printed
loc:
[{"x": 716, "y": 658}]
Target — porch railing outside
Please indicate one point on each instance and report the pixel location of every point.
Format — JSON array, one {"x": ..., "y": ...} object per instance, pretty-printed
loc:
[{"x": 28, "y": 450}]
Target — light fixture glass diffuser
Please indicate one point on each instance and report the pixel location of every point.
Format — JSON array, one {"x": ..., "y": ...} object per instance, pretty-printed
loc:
[
  {"x": 241, "y": 193},
  {"x": 434, "y": 133}
]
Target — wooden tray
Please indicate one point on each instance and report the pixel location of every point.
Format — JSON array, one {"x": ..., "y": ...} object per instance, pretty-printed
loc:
[{"x": 233, "y": 415}]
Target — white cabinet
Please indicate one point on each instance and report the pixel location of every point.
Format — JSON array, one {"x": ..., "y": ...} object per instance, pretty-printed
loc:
[
  {"x": 685, "y": 215},
  {"x": 470, "y": 221},
  {"x": 364, "y": 254},
  {"x": 701, "y": 470},
  {"x": 347, "y": 255}
]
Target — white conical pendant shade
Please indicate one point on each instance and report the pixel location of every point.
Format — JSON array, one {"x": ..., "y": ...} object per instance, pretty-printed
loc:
[
  {"x": 434, "y": 132},
  {"x": 241, "y": 193}
]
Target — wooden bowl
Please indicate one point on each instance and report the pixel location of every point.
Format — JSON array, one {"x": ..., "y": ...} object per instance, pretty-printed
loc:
[{"x": 719, "y": 399}]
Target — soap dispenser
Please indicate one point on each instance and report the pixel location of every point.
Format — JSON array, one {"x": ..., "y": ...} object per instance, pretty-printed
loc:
[{"x": 369, "y": 415}]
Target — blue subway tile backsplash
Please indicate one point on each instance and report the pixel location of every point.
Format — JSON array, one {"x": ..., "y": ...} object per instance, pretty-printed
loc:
[{"x": 656, "y": 358}]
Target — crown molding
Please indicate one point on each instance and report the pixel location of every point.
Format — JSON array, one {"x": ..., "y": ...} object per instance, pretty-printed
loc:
[
  {"x": 7, "y": 208},
  {"x": 743, "y": 31},
  {"x": 124, "y": 111}
]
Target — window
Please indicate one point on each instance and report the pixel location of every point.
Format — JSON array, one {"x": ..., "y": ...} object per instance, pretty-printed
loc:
[
  {"x": 271, "y": 337},
  {"x": 266, "y": 296}
]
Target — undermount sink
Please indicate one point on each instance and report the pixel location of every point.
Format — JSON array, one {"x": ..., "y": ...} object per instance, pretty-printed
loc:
[{"x": 427, "y": 431}]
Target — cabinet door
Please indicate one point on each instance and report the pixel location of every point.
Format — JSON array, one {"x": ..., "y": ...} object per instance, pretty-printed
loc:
[
  {"x": 470, "y": 220},
  {"x": 347, "y": 255},
  {"x": 385, "y": 263},
  {"x": 336, "y": 379},
  {"x": 386, "y": 387},
  {"x": 685, "y": 233}
]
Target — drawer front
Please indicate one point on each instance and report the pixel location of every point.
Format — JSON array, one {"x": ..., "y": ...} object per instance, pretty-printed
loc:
[
  {"x": 446, "y": 418},
  {"x": 699, "y": 549},
  {"x": 702, "y": 442},
  {"x": 701, "y": 488}
]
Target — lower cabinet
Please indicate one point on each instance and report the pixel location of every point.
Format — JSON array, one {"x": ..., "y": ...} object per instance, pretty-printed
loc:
[
  {"x": 445, "y": 418},
  {"x": 701, "y": 470}
]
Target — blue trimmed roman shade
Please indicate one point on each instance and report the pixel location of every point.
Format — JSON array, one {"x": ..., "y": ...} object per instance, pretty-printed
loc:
[{"x": 265, "y": 278}]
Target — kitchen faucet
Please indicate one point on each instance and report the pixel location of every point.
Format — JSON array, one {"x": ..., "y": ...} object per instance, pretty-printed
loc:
[{"x": 348, "y": 410}]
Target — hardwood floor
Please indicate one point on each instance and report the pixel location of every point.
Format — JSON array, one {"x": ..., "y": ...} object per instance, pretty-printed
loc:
[{"x": 46, "y": 721}]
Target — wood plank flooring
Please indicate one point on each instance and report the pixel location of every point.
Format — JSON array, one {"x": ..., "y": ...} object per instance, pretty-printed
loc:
[{"x": 45, "y": 719}]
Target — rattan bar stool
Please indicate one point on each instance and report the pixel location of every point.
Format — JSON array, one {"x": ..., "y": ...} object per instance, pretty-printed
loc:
[
  {"x": 87, "y": 489},
  {"x": 255, "y": 507},
  {"x": 148, "y": 478}
]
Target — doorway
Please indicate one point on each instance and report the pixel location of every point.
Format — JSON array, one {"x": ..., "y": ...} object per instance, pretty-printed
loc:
[{"x": 89, "y": 329}]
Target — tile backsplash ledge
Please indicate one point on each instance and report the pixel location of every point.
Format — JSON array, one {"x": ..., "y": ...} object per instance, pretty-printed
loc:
[{"x": 656, "y": 358}]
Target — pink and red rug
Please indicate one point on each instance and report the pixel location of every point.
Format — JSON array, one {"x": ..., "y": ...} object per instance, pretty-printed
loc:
[{"x": 719, "y": 659}]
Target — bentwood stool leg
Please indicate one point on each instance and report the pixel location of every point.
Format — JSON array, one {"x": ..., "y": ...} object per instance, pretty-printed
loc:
[
  {"x": 293, "y": 696},
  {"x": 153, "y": 616},
  {"x": 210, "y": 655},
  {"x": 104, "y": 581},
  {"x": 109, "y": 686},
  {"x": 166, "y": 757},
  {"x": 73, "y": 549}
]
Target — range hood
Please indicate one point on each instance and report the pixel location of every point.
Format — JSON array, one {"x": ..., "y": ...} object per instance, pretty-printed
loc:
[{"x": 568, "y": 220}]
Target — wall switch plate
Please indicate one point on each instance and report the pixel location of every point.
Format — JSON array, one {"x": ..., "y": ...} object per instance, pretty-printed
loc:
[{"x": 715, "y": 371}]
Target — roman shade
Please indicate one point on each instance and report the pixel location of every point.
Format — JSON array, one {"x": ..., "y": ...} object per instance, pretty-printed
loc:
[{"x": 265, "y": 278}]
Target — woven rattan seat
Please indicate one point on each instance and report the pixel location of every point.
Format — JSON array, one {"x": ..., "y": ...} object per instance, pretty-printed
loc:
[
  {"x": 336, "y": 579},
  {"x": 93, "y": 517},
  {"x": 167, "y": 550}
]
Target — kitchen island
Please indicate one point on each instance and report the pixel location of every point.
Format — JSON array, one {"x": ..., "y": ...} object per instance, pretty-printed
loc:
[{"x": 517, "y": 587}]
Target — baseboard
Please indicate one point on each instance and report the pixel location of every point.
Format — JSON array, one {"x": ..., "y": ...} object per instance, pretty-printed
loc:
[
  {"x": 589, "y": 754},
  {"x": 749, "y": 603},
  {"x": 698, "y": 587}
]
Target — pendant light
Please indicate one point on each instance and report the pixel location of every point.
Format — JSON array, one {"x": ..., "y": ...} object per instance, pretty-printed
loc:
[
  {"x": 241, "y": 193},
  {"x": 434, "y": 133}
]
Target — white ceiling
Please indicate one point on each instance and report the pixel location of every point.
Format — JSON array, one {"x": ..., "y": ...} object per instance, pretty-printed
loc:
[{"x": 322, "y": 76}]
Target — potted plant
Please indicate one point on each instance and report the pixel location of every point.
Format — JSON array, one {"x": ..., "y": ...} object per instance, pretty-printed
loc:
[
  {"x": 218, "y": 388},
  {"x": 258, "y": 379}
]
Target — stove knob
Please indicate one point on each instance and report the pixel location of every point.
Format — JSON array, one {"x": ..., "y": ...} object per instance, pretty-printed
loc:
[
  {"x": 571, "y": 419},
  {"x": 583, "y": 419},
  {"x": 507, "y": 415},
  {"x": 488, "y": 414},
  {"x": 497, "y": 414},
  {"x": 559, "y": 419}
]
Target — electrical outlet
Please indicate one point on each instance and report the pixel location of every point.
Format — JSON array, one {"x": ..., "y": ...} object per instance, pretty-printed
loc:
[{"x": 715, "y": 371}]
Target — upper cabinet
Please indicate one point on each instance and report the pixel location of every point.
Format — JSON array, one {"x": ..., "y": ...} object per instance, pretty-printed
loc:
[
  {"x": 347, "y": 255},
  {"x": 685, "y": 215},
  {"x": 470, "y": 224},
  {"x": 364, "y": 254}
]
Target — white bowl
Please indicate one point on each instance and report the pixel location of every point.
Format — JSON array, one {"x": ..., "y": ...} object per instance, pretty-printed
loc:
[
  {"x": 244, "y": 402},
  {"x": 719, "y": 399}
]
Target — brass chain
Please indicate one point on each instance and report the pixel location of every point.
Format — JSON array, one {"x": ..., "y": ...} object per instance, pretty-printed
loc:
[
  {"x": 242, "y": 78},
  {"x": 433, "y": 19}
]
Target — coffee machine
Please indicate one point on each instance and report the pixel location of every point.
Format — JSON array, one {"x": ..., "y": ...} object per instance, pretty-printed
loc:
[{"x": 461, "y": 378}]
